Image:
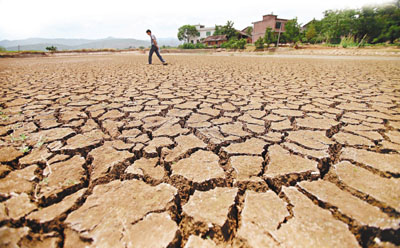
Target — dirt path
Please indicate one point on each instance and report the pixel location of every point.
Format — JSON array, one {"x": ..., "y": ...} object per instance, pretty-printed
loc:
[{"x": 209, "y": 151}]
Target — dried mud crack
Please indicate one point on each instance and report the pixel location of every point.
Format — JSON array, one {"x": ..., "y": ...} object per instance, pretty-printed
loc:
[{"x": 210, "y": 151}]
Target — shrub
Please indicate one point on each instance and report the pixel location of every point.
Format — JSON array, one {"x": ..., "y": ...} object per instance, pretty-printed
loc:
[
  {"x": 187, "y": 46},
  {"x": 200, "y": 45},
  {"x": 227, "y": 44},
  {"x": 2, "y": 49},
  {"x": 260, "y": 43},
  {"x": 348, "y": 41},
  {"x": 192, "y": 46},
  {"x": 269, "y": 36},
  {"x": 234, "y": 44},
  {"x": 241, "y": 43},
  {"x": 51, "y": 49}
]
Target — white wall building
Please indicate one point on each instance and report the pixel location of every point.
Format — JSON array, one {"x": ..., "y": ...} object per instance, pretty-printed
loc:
[{"x": 204, "y": 33}]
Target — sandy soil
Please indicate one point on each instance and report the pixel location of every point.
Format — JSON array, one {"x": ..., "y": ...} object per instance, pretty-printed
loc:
[{"x": 209, "y": 151}]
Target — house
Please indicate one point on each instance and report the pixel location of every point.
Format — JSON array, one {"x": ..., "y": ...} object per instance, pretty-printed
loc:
[
  {"x": 204, "y": 33},
  {"x": 243, "y": 35},
  {"x": 245, "y": 29},
  {"x": 268, "y": 21},
  {"x": 215, "y": 40}
]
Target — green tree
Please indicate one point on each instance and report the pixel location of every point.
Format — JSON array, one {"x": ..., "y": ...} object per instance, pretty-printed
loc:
[
  {"x": 51, "y": 49},
  {"x": 249, "y": 31},
  {"x": 339, "y": 23},
  {"x": 187, "y": 31},
  {"x": 311, "y": 33},
  {"x": 372, "y": 24},
  {"x": 259, "y": 43},
  {"x": 227, "y": 30},
  {"x": 240, "y": 44},
  {"x": 368, "y": 25},
  {"x": 217, "y": 30},
  {"x": 269, "y": 36},
  {"x": 2, "y": 49},
  {"x": 389, "y": 17},
  {"x": 292, "y": 31}
]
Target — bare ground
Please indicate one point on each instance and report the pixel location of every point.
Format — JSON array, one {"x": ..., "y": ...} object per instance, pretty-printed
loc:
[{"x": 209, "y": 151}]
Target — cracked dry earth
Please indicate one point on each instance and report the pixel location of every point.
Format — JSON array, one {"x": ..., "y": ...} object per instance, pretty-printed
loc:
[{"x": 105, "y": 151}]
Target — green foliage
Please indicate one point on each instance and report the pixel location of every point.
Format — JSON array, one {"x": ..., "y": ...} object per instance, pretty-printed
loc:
[
  {"x": 338, "y": 23},
  {"x": 199, "y": 45},
  {"x": 270, "y": 36},
  {"x": 187, "y": 31},
  {"x": 259, "y": 43},
  {"x": 311, "y": 33},
  {"x": 192, "y": 46},
  {"x": 234, "y": 44},
  {"x": 25, "y": 149},
  {"x": 249, "y": 30},
  {"x": 292, "y": 31},
  {"x": 23, "y": 137},
  {"x": 2, "y": 49},
  {"x": 372, "y": 24},
  {"x": 241, "y": 43},
  {"x": 51, "y": 49},
  {"x": 141, "y": 47},
  {"x": 218, "y": 30},
  {"x": 348, "y": 41},
  {"x": 227, "y": 30},
  {"x": 40, "y": 142},
  {"x": 187, "y": 46},
  {"x": 228, "y": 44}
]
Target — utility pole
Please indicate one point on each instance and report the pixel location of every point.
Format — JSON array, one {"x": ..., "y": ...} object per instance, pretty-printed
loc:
[{"x": 279, "y": 35}]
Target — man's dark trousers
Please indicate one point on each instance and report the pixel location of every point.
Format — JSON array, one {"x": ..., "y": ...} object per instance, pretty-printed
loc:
[{"x": 152, "y": 50}]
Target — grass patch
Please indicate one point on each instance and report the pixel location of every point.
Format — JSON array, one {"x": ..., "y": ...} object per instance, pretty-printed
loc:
[{"x": 25, "y": 149}]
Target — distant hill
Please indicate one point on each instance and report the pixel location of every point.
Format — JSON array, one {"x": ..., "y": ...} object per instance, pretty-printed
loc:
[{"x": 40, "y": 44}]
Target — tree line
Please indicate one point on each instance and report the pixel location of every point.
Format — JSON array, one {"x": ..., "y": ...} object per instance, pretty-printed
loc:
[
  {"x": 348, "y": 27},
  {"x": 370, "y": 24}
]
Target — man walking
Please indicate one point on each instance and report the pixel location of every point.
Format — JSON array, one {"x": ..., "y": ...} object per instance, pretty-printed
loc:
[{"x": 154, "y": 48}]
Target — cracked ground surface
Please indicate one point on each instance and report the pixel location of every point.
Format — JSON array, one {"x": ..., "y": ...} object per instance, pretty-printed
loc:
[{"x": 210, "y": 151}]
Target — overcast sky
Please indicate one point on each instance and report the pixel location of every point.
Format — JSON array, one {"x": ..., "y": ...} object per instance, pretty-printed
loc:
[{"x": 94, "y": 19}]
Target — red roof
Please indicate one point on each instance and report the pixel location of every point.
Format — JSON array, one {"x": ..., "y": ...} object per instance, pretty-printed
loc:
[
  {"x": 215, "y": 38},
  {"x": 242, "y": 33}
]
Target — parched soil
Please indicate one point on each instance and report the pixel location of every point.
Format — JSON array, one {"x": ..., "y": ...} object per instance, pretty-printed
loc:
[{"x": 209, "y": 151}]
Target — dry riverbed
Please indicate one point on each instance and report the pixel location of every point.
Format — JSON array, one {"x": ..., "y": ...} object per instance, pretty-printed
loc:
[{"x": 209, "y": 151}]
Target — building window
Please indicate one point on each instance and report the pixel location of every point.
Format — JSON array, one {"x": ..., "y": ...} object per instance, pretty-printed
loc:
[
  {"x": 278, "y": 25},
  {"x": 208, "y": 33}
]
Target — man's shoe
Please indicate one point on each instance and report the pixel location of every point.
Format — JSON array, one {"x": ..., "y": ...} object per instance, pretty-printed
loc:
[{"x": 165, "y": 63}]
